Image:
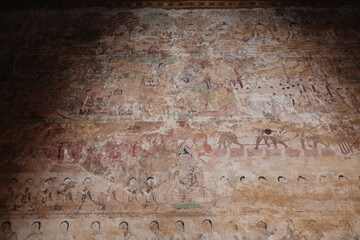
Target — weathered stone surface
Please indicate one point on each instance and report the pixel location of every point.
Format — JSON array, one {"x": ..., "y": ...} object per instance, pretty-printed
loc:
[
  {"x": 292, "y": 152},
  {"x": 176, "y": 120},
  {"x": 236, "y": 152}
]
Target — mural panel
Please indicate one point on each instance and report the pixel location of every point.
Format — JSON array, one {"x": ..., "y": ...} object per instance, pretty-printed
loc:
[{"x": 180, "y": 124}]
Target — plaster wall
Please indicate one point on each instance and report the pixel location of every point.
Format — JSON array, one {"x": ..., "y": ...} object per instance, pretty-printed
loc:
[{"x": 248, "y": 118}]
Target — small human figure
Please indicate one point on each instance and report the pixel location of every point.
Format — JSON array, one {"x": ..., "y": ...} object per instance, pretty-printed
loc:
[
  {"x": 347, "y": 231},
  {"x": 208, "y": 233},
  {"x": 316, "y": 232},
  {"x": 85, "y": 190},
  {"x": 45, "y": 192},
  {"x": 245, "y": 187},
  {"x": 233, "y": 232},
  {"x": 66, "y": 189},
  {"x": 180, "y": 231},
  {"x": 124, "y": 234},
  {"x": 262, "y": 232},
  {"x": 110, "y": 190},
  {"x": 27, "y": 194},
  {"x": 291, "y": 232},
  {"x": 342, "y": 188},
  {"x": 64, "y": 232},
  {"x": 303, "y": 184},
  {"x": 6, "y": 232},
  {"x": 224, "y": 187},
  {"x": 11, "y": 191},
  {"x": 35, "y": 234},
  {"x": 96, "y": 233},
  {"x": 148, "y": 191},
  {"x": 263, "y": 186},
  {"x": 156, "y": 234},
  {"x": 132, "y": 189}
]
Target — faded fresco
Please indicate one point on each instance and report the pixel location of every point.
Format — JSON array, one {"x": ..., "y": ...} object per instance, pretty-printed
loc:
[{"x": 176, "y": 124}]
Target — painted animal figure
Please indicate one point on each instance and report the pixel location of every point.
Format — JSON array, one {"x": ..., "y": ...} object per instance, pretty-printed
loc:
[
  {"x": 314, "y": 140},
  {"x": 226, "y": 139},
  {"x": 275, "y": 139}
]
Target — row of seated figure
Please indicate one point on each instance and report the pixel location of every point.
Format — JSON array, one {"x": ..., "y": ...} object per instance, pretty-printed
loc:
[
  {"x": 233, "y": 232},
  {"x": 28, "y": 196}
]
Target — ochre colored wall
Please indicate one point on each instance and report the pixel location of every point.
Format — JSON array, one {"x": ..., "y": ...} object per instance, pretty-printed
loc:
[{"x": 245, "y": 117}]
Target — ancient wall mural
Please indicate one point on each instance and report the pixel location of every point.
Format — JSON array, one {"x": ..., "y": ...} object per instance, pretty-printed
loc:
[{"x": 180, "y": 124}]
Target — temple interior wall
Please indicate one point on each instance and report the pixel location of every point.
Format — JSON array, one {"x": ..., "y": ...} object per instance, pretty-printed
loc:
[{"x": 248, "y": 118}]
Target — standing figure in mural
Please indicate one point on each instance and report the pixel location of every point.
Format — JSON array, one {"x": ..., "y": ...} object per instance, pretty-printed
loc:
[
  {"x": 125, "y": 234},
  {"x": 208, "y": 233},
  {"x": 66, "y": 190},
  {"x": 96, "y": 233},
  {"x": 45, "y": 192},
  {"x": 85, "y": 190},
  {"x": 110, "y": 189},
  {"x": 6, "y": 232},
  {"x": 156, "y": 234},
  {"x": 149, "y": 194},
  {"x": 27, "y": 194},
  {"x": 266, "y": 136},
  {"x": 11, "y": 191},
  {"x": 148, "y": 191},
  {"x": 131, "y": 191},
  {"x": 35, "y": 234},
  {"x": 64, "y": 232},
  {"x": 291, "y": 232},
  {"x": 262, "y": 232},
  {"x": 180, "y": 231},
  {"x": 233, "y": 232}
]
